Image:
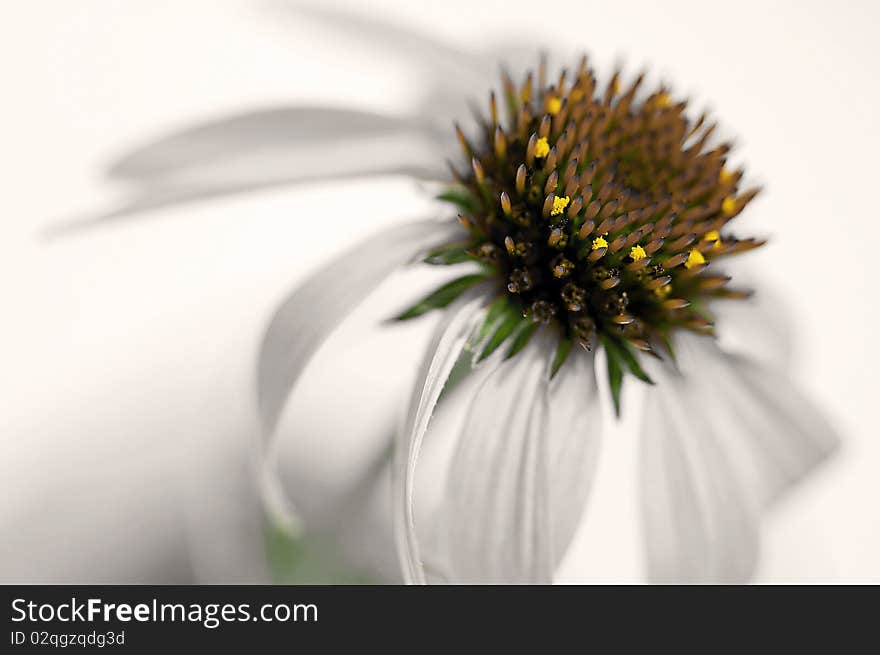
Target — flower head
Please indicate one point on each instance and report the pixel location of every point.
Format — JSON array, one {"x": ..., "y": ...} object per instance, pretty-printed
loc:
[{"x": 598, "y": 212}]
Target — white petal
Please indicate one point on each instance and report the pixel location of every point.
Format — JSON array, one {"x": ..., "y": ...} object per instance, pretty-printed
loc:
[
  {"x": 435, "y": 57},
  {"x": 757, "y": 327},
  {"x": 266, "y": 149},
  {"x": 573, "y": 437},
  {"x": 282, "y": 131},
  {"x": 444, "y": 350},
  {"x": 774, "y": 434},
  {"x": 306, "y": 317},
  {"x": 720, "y": 440},
  {"x": 700, "y": 525},
  {"x": 523, "y": 468}
]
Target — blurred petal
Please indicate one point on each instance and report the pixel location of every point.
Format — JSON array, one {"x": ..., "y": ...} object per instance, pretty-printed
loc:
[
  {"x": 757, "y": 327},
  {"x": 282, "y": 130},
  {"x": 443, "y": 352},
  {"x": 720, "y": 440},
  {"x": 265, "y": 149},
  {"x": 306, "y": 317},
  {"x": 699, "y": 523},
  {"x": 776, "y": 434},
  {"x": 433, "y": 54},
  {"x": 460, "y": 95},
  {"x": 293, "y": 145},
  {"x": 454, "y": 78},
  {"x": 523, "y": 468}
]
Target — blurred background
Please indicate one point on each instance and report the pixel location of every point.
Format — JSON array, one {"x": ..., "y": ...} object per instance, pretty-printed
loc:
[{"x": 127, "y": 410}]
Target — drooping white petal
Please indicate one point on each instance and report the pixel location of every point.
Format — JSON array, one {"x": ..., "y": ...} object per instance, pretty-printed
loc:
[
  {"x": 450, "y": 339},
  {"x": 289, "y": 145},
  {"x": 776, "y": 435},
  {"x": 266, "y": 149},
  {"x": 522, "y": 469},
  {"x": 573, "y": 438},
  {"x": 721, "y": 438},
  {"x": 219, "y": 144},
  {"x": 307, "y": 316},
  {"x": 700, "y": 524},
  {"x": 757, "y": 327},
  {"x": 434, "y": 56}
]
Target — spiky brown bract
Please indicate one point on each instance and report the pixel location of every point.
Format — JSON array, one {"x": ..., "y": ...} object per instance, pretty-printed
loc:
[{"x": 598, "y": 211}]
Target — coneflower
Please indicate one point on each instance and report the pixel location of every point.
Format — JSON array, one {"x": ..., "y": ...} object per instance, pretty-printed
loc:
[{"x": 592, "y": 221}]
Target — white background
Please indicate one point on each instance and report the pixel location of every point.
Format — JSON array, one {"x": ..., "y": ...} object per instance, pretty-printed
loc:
[{"x": 127, "y": 352}]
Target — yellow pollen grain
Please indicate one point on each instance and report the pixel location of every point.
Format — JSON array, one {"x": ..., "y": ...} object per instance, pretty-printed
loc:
[
  {"x": 662, "y": 292},
  {"x": 637, "y": 253},
  {"x": 599, "y": 242},
  {"x": 663, "y": 100},
  {"x": 554, "y": 105},
  {"x": 728, "y": 205},
  {"x": 542, "y": 148},
  {"x": 724, "y": 176},
  {"x": 695, "y": 258},
  {"x": 713, "y": 237},
  {"x": 559, "y": 205}
]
